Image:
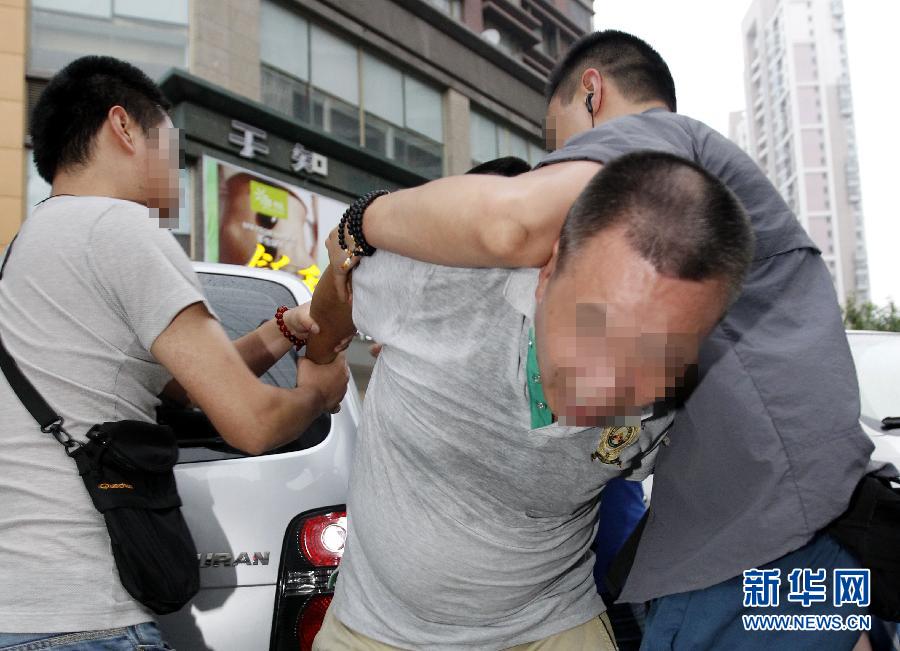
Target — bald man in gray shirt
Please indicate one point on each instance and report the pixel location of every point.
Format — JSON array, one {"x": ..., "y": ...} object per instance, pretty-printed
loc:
[{"x": 470, "y": 521}]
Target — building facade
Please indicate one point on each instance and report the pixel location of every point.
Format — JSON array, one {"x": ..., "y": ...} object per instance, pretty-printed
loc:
[
  {"x": 291, "y": 108},
  {"x": 799, "y": 126}
]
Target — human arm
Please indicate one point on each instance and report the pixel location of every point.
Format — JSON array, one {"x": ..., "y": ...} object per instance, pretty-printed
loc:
[
  {"x": 335, "y": 316},
  {"x": 479, "y": 220},
  {"x": 262, "y": 347},
  {"x": 249, "y": 415}
]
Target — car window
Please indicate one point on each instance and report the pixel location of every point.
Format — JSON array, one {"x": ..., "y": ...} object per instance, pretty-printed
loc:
[
  {"x": 877, "y": 358},
  {"x": 242, "y": 304}
]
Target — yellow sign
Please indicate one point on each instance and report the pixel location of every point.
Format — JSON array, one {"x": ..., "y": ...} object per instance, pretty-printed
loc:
[{"x": 263, "y": 260}]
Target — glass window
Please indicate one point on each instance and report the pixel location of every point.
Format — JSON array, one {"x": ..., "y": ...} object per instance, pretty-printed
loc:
[
  {"x": 420, "y": 154},
  {"x": 241, "y": 303},
  {"x": 817, "y": 191},
  {"x": 452, "y": 8},
  {"x": 284, "y": 40},
  {"x": 516, "y": 145},
  {"x": 163, "y": 11},
  {"x": 185, "y": 203},
  {"x": 490, "y": 140},
  {"x": 382, "y": 90},
  {"x": 535, "y": 153},
  {"x": 335, "y": 117},
  {"x": 482, "y": 138},
  {"x": 403, "y": 117},
  {"x": 95, "y": 8},
  {"x": 813, "y": 147},
  {"x": 335, "y": 66},
  {"x": 805, "y": 62},
  {"x": 810, "y": 109},
  {"x": 61, "y": 31},
  {"x": 424, "y": 109},
  {"x": 284, "y": 93}
]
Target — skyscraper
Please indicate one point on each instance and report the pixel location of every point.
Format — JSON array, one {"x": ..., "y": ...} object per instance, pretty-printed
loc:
[{"x": 799, "y": 126}]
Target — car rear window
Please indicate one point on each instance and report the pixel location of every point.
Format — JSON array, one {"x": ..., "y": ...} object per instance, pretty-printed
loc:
[{"x": 242, "y": 304}]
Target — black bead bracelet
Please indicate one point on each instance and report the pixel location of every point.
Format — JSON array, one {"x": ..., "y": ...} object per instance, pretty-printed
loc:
[{"x": 352, "y": 223}]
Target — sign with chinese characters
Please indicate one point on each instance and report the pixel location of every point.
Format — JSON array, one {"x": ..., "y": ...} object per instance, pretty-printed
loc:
[
  {"x": 255, "y": 220},
  {"x": 252, "y": 141}
]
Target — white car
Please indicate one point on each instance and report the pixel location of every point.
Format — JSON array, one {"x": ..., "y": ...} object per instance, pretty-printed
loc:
[
  {"x": 877, "y": 358},
  {"x": 270, "y": 529}
]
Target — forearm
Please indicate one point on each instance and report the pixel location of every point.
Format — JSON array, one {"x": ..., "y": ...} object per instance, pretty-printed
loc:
[
  {"x": 259, "y": 349},
  {"x": 262, "y": 347},
  {"x": 283, "y": 415},
  {"x": 335, "y": 319}
]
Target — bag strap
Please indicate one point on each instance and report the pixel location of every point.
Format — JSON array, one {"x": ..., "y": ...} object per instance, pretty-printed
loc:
[{"x": 43, "y": 413}]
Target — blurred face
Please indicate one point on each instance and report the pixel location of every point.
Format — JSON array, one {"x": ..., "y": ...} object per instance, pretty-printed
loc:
[
  {"x": 564, "y": 120},
  {"x": 160, "y": 159},
  {"x": 613, "y": 336}
]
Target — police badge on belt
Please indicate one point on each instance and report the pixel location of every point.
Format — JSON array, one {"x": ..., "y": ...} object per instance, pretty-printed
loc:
[{"x": 613, "y": 440}]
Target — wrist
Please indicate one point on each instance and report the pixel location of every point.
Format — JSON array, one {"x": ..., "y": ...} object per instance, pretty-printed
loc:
[
  {"x": 285, "y": 331},
  {"x": 372, "y": 222},
  {"x": 350, "y": 228}
]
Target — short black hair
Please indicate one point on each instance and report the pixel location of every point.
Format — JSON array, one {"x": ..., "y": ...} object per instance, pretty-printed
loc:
[
  {"x": 75, "y": 104},
  {"x": 677, "y": 216},
  {"x": 638, "y": 70},
  {"x": 505, "y": 166}
]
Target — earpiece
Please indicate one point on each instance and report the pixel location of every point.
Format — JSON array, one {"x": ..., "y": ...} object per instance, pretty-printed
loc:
[{"x": 589, "y": 103}]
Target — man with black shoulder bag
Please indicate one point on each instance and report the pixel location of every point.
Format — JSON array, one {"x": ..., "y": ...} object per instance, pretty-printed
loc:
[{"x": 100, "y": 315}]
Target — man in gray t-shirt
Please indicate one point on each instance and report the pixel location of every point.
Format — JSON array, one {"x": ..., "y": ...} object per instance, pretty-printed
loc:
[
  {"x": 767, "y": 448},
  {"x": 470, "y": 522},
  {"x": 102, "y": 312}
]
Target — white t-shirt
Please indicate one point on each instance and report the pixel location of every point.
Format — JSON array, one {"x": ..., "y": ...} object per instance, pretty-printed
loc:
[{"x": 90, "y": 284}]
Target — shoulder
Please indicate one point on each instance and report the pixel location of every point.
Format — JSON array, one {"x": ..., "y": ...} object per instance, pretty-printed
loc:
[{"x": 120, "y": 222}]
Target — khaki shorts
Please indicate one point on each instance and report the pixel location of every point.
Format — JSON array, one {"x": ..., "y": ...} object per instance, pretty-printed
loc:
[{"x": 593, "y": 635}]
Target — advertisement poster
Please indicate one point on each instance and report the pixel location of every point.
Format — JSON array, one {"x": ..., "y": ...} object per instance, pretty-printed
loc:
[{"x": 255, "y": 220}]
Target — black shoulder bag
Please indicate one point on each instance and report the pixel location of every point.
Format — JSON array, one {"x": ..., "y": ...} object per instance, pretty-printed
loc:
[
  {"x": 127, "y": 470},
  {"x": 870, "y": 530}
]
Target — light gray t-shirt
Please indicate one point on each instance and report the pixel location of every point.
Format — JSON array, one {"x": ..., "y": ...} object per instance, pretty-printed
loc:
[
  {"x": 90, "y": 283},
  {"x": 467, "y": 529}
]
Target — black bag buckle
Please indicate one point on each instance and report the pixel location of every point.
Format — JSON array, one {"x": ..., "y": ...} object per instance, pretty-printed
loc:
[{"x": 62, "y": 436}]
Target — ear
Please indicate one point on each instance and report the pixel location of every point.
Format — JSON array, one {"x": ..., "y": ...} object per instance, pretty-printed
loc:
[
  {"x": 592, "y": 82},
  {"x": 546, "y": 273},
  {"x": 122, "y": 128}
]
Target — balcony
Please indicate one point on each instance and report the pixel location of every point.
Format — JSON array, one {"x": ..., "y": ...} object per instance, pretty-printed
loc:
[{"x": 521, "y": 25}]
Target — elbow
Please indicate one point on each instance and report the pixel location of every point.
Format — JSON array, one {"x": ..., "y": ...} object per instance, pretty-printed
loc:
[
  {"x": 504, "y": 237},
  {"x": 505, "y": 240},
  {"x": 253, "y": 430},
  {"x": 247, "y": 436}
]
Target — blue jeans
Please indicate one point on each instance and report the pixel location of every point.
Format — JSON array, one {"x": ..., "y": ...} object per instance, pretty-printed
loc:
[
  {"x": 711, "y": 619},
  {"x": 142, "y": 637}
]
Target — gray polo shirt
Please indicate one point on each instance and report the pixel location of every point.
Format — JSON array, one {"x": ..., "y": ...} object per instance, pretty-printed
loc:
[
  {"x": 767, "y": 449},
  {"x": 468, "y": 529}
]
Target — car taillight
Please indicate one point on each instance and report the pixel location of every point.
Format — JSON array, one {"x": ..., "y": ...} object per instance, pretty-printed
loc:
[
  {"x": 310, "y": 620},
  {"x": 322, "y": 539},
  {"x": 313, "y": 547}
]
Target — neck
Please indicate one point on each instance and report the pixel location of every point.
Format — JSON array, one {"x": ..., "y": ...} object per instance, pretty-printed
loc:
[
  {"x": 620, "y": 109},
  {"x": 89, "y": 181}
]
